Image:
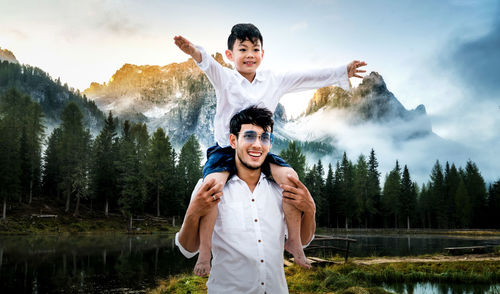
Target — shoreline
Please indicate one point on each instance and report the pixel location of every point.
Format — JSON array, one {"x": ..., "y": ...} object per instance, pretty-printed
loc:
[{"x": 367, "y": 275}]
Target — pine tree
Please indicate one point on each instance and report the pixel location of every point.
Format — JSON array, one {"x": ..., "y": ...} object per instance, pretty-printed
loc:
[
  {"x": 407, "y": 198},
  {"x": 329, "y": 194},
  {"x": 373, "y": 187},
  {"x": 52, "y": 165},
  {"x": 295, "y": 158},
  {"x": 476, "y": 188},
  {"x": 189, "y": 168},
  {"x": 364, "y": 203},
  {"x": 451, "y": 181},
  {"x": 437, "y": 190},
  {"x": 494, "y": 205},
  {"x": 463, "y": 205},
  {"x": 160, "y": 172},
  {"x": 13, "y": 106},
  {"x": 74, "y": 150},
  {"x": 390, "y": 195},
  {"x": 131, "y": 184},
  {"x": 347, "y": 188},
  {"x": 104, "y": 171}
]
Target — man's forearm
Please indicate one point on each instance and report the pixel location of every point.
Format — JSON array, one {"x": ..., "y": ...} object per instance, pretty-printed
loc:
[
  {"x": 189, "y": 236},
  {"x": 307, "y": 227}
]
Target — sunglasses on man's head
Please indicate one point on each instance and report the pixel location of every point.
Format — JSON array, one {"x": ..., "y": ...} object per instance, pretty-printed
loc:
[{"x": 251, "y": 136}]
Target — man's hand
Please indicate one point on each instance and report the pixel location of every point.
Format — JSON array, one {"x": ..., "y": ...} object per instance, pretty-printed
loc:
[
  {"x": 188, "y": 48},
  {"x": 352, "y": 69},
  {"x": 207, "y": 196},
  {"x": 299, "y": 197}
]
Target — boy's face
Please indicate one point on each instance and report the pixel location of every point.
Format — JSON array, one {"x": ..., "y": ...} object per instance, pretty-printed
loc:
[
  {"x": 246, "y": 56},
  {"x": 250, "y": 155}
]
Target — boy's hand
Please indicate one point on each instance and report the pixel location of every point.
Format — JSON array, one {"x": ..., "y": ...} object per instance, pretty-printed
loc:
[
  {"x": 352, "y": 69},
  {"x": 188, "y": 48}
]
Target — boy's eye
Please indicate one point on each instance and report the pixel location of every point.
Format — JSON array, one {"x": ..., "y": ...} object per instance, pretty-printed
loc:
[{"x": 243, "y": 50}]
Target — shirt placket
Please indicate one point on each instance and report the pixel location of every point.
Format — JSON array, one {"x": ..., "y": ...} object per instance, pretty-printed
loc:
[{"x": 261, "y": 260}]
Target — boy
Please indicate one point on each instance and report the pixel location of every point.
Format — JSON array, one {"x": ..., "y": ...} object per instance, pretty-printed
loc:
[{"x": 238, "y": 89}]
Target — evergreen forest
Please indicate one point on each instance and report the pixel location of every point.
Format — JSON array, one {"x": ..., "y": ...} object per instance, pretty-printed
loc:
[{"x": 126, "y": 170}]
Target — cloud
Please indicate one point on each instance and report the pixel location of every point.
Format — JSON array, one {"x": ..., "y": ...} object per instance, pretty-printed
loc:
[
  {"x": 475, "y": 63},
  {"x": 299, "y": 26},
  {"x": 418, "y": 154}
]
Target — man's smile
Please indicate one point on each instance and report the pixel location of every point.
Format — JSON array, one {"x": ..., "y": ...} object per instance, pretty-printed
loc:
[{"x": 254, "y": 153}]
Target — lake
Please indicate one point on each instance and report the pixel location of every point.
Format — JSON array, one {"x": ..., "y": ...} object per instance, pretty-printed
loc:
[{"x": 124, "y": 263}]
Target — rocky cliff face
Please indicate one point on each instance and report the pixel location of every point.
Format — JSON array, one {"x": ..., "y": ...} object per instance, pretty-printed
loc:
[
  {"x": 371, "y": 101},
  {"x": 6, "y": 55},
  {"x": 180, "y": 99}
]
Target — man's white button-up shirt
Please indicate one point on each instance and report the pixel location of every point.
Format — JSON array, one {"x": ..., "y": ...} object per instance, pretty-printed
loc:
[
  {"x": 235, "y": 93},
  {"x": 248, "y": 239}
]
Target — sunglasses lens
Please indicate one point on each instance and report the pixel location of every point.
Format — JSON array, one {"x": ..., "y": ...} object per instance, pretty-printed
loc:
[
  {"x": 265, "y": 138},
  {"x": 250, "y": 136}
]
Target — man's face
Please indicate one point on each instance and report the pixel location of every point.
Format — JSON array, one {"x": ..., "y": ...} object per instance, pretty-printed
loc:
[
  {"x": 249, "y": 155},
  {"x": 246, "y": 56}
]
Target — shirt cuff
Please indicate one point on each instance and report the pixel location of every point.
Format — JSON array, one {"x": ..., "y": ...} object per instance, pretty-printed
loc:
[
  {"x": 184, "y": 252},
  {"x": 343, "y": 78},
  {"x": 203, "y": 65}
]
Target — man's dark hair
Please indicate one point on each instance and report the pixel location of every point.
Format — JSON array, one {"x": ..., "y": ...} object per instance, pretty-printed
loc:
[
  {"x": 243, "y": 32},
  {"x": 254, "y": 115}
]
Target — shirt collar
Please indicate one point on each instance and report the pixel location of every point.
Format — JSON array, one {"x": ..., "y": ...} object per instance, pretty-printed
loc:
[
  {"x": 235, "y": 178},
  {"x": 259, "y": 76}
]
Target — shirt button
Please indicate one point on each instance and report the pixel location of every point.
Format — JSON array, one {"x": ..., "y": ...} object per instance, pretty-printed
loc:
[
  {"x": 262, "y": 260},
  {"x": 262, "y": 283},
  {"x": 253, "y": 200},
  {"x": 255, "y": 220},
  {"x": 260, "y": 241}
]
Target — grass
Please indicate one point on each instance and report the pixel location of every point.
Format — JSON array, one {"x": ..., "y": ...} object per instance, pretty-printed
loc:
[
  {"x": 20, "y": 221},
  {"x": 356, "y": 278}
]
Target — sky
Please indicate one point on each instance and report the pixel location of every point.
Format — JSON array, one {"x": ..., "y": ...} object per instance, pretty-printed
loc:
[{"x": 443, "y": 54}]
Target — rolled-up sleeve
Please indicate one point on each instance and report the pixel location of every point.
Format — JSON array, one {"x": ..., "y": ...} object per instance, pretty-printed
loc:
[{"x": 184, "y": 252}]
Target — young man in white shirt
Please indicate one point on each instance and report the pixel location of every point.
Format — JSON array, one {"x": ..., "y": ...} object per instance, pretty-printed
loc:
[
  {"x": 249, "y": 233},
  {"x": 240, "y": 88}
]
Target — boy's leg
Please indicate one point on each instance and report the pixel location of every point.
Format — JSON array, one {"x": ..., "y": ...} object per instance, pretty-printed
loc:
[
  {"x": 207, "y": 223},
  {"x": 292, "y": 216}
]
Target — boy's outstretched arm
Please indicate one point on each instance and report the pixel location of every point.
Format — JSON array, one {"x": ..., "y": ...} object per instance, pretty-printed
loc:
[
  {"x": 352, "y": 69},
  {"x": 188, "y": 48}
]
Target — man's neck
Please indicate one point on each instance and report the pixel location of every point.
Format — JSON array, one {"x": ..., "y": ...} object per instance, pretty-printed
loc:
[{"x": 249, "y": 176}]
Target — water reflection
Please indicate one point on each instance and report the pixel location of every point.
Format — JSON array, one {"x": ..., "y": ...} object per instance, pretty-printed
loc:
[
  {"x": 117, "y": 262},
  {"x": 401, "y": 245},
  {"x": 441, "y": 288},
  {"x": 86, "y": 263}
]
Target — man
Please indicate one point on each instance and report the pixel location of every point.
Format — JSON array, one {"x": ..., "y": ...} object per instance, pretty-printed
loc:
[{"x": 249, "y": 234}]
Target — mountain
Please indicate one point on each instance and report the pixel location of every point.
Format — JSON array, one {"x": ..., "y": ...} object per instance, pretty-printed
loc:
[
  {"x": 6, "y": 55},
  {"x": 372, "y": 102},
  {"x": 51, "y": 95},
  {"x": 177, "y": 97}
]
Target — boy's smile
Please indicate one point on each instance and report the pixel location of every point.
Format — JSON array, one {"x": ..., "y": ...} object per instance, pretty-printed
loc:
[{"x": 246, "y": 56}]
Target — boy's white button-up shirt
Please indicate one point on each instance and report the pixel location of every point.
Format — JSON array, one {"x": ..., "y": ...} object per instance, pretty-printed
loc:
[
  {"x": 248, "y": 239},
  {"x": 235, "y": 93}
]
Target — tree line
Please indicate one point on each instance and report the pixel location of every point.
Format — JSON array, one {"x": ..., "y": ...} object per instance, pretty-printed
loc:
[
  {"x": 126, "y": 170},
  {"x": 351, "y": 195}
]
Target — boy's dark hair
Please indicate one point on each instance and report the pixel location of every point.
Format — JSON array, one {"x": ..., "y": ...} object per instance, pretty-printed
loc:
[
  {"x": 243, "y": 32},
  {"x": 258, "y": 116}
]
